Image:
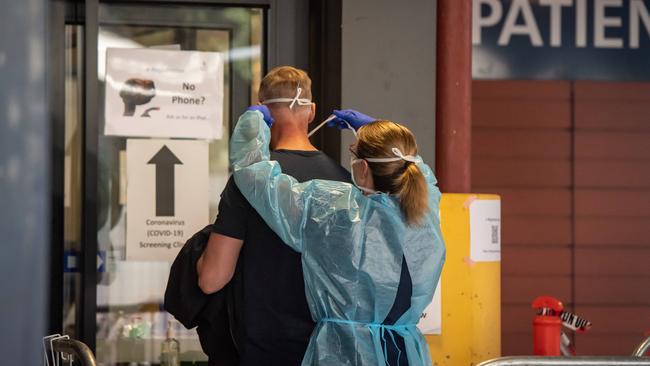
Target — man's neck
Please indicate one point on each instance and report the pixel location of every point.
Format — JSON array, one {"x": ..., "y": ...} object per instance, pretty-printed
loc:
[{"x": 288, "y": 138}]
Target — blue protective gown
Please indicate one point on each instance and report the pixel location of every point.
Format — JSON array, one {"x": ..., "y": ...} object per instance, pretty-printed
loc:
[{"x": 352, "y": 251}]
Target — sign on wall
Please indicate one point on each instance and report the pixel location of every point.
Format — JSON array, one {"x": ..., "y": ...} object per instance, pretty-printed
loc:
[
  {"x": 561, "y": 39},
  {"x": 167, "y": 196},
  {"x": 164, "y": 93},
  {"x": 485, "y": 230}
]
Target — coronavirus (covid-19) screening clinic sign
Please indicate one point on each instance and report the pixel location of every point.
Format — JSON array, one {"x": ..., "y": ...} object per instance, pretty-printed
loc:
[
  {"x": 166, "y": 196},
  {"x": 164, "y": 93}
]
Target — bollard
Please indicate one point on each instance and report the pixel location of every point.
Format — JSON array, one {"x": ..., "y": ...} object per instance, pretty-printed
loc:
[{"x": 547, "y": 326}]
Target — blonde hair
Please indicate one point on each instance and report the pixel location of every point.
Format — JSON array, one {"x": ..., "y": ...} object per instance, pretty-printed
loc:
[
  {"x": 282, "y": 82},
  {"x": 402, "y": 178}
]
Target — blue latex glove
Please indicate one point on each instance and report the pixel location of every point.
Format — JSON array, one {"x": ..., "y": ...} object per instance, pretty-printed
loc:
[
  {"x": 354, "y": 118},
  {"x": 265, "y": 112}
]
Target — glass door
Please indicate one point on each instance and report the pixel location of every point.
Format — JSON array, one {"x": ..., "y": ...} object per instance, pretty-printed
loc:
[{"x": 127, "y": 314}]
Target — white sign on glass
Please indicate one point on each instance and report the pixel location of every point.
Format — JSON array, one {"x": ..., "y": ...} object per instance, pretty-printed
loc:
[
  {"x": 166, "y": 196},
  {"x": 164, "y": 93}
]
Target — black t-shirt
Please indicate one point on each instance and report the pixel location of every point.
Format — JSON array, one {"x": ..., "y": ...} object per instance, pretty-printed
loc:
[{"x": 272, "y": 323}]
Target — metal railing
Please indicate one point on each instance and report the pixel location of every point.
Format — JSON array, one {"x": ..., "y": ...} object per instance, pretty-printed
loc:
[
  {"x": 642, "y": 348},
  {"x": 81, "y": 354},
  {"x": 636, "y": 359},
  {"x": 568, "y": 361}
]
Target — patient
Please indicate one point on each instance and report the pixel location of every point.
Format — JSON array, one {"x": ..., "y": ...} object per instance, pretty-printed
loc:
[{"x": 272, "y": 322}]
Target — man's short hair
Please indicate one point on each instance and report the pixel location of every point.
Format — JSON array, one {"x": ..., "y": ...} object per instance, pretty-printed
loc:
[{"x": 283, "y": 81}]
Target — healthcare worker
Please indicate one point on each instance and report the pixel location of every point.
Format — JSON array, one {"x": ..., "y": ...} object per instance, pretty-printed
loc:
[{"x": 371, "y": 253}]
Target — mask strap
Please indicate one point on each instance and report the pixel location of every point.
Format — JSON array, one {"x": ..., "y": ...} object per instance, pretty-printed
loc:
[
  {"x": 399, "y": 156},
  {"x": 409, "y": 158},
  {"x": 295, "y": 99},
  {"x": 331, "y": 117},
  {"x": 300, "y": 101},
  {"x": 351, "y": 129}
]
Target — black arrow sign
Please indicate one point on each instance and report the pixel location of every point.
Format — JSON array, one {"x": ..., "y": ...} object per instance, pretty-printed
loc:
[{"x": 164, "y": 161}]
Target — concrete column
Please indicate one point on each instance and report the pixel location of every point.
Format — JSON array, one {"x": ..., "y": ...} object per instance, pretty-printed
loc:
[{"x": 25, "y": 151}]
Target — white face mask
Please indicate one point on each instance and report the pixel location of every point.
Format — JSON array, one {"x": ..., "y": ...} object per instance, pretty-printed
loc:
[
  {"x": 398, "y": 156},
  {"x": 363, "y": 189}
]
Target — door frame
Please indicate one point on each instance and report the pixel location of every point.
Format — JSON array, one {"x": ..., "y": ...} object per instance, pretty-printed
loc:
[{"x": 313, "y": 30}]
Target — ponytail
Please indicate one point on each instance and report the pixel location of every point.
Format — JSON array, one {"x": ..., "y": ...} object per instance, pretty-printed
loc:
[
  {"x": 399, "y": 177},
  {"x": 413, "y": 194}
]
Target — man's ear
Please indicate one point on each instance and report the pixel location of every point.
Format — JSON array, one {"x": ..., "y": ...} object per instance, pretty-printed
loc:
[
  {"x": 312, "y": 112},
  {"x": 274, "y": 113}
]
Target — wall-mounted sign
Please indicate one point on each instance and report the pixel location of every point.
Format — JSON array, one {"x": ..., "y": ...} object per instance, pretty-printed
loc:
[
  {"x": 561, "y": 39},
  {"x": 485, "y": 230},
  {"x": 164, "y": 93},
  {"x": 166, "y": 197}
]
